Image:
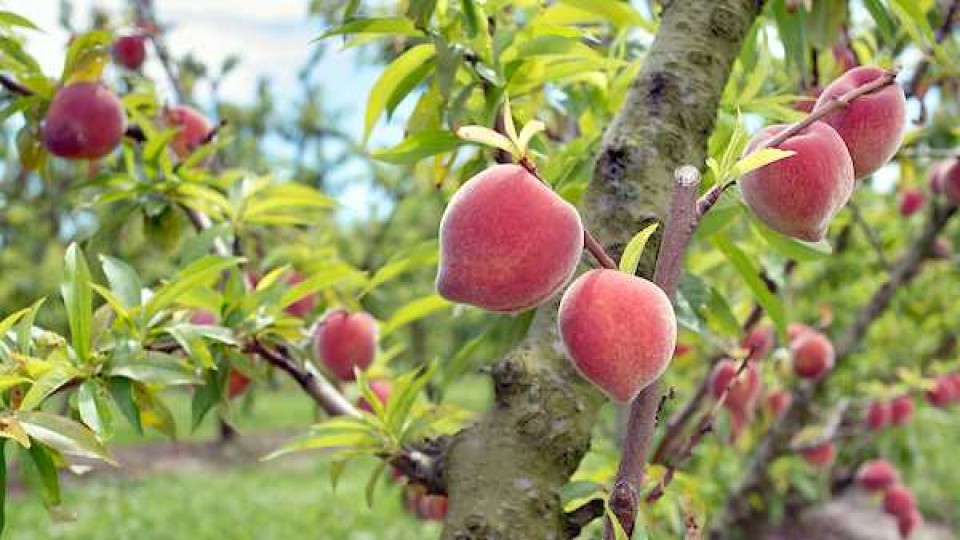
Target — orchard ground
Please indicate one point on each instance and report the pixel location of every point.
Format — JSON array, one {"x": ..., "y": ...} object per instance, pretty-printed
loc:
[{"x": 202, "y": 489}]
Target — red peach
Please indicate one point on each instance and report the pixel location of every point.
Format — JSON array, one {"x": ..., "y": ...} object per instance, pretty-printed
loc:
[
  {"x": 795, "y": 330},
  {"x": 681, "y": 349},
  {"x": 877, "y": 475},
  {"x": 907, "y": 523},
  {"x": 799, "y": 195},
  {"x": 237, "y": 383},
  {"x": 759, "y": 341},
  {"x": 742, "y": 391},
  {"x": 872, "y": 126},
  {"x": 345, "y": 340},
  {"x": 84, "y": 121},
  {"x": 901, "y": 410},
  {"x": 911, "y": 201},
  {"x": 130, "y": 51},
  {"x": 432, "y": 507},
  {"x": 819, "y": 455},
  {"x": 193, "y": 129},
  {"x": 941, "y": 394},
  {"x": 937, "y": 172},
  {"x": 304, "y": 305},
  {"x": 899, "y": 501},
  {"x": 949, "y": 181},
  {"x": 507, "y": 241},
  {"x": 778, "y": 402},
  {"x": 619, "y": 330},
  {"x": 381, "y": 388},
  {"x": 203, "y": 317},
  {"x": 878, "y": 415},
  {"x": 813, "y": 355}
]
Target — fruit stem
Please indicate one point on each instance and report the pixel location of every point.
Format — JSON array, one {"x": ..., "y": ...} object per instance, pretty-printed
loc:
[{"x": 709, "y": 198}]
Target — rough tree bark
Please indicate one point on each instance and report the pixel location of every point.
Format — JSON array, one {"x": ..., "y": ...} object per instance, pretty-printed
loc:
[{"x": 504, "y": 473}]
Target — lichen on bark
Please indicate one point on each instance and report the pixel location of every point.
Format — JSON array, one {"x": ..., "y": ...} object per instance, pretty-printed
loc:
[{"x": 504, "y": 474}]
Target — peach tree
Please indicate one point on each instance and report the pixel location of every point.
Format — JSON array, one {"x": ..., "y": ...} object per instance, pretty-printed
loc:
[{"x": 686, "y": 327}]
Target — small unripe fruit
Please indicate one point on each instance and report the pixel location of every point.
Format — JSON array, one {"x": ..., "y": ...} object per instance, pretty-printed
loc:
[
  {"x": 813, "y": 355},
  {"x": 901, "y": 410},
  {"x": 950, "y": 181},
  {"x": 759, "y": 342},
  {"x": 193, "y": 129},
  {"x": 911, "y": 201},
  {"x": 304, "y": 305},
  {"x": 778, "y": 402},
  {"x": 899, "y": 501},
  {"x": 507, "y": 242},
  {"x": 203, "y": 317},
  {"x": 872, "y": 125},
  {"x": 381, "y": 388},
  {"x": 743, "y": 389},
  {"x": 878, "y": 415},
  {"x": 345, "y": 341},
  {"x": 84, "y": 121},
  {"x": 877, "y": 475},
  {"x": 619, "y": 330},
  {"x": 130, "y": 51},
  {"x": 237, "y": 383},
  {"x": 941, "y": 394},
  {"x": 907, "y": 523},
  {"x": 819, "y": 455},
  {"x": 799, "y": 195}
]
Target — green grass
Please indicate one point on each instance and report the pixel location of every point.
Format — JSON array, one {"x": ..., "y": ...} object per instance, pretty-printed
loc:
[{"x": 282, "y": 500}]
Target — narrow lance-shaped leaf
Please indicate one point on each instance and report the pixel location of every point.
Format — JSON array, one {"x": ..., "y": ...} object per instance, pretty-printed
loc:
[
  {"x": 64, "y": 435},
  {"x": 78, "y": 299},
  {"x": 630, "y": 259}
]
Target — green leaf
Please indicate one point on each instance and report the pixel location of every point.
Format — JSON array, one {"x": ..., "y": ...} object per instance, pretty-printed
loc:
[
  {"x": 371, "y": 487},
  {"x": 196, "y": 273},
  {"x": 78, "y": 299},
  {"x": 121, "y": 389},
  {"x": 397, "y": 26},
  {"x": 188, "y": 337},
  {"x": 3, "y": 484},
  {"x": 46, "y": 471},
  {"x": 158, "y": 368},
  {"x": 618, "y": 532},
  {"x": 418, "y": 256},
  {"x": 414, "y": 310},
  {"x": 487, "y": 137},
  {"x": 64, "y": 435},
  {"x": 882, "y": 17},
  {"x": 9, "y": 18},
  {"x": 791, "y": 247},
  {"x": 406, "y": 390},
  {"x": 46, "y": 385},
  {"x": 93, "y": 407},
  {"x": 334, "y": 434},
  {"x": 25, "y": 328},
  {"x": 123, "y": 279},
  {"x": 614, "y": 12},
  {"x": 757, "y": 159},
  {"x": 206, "y": 396},
  {"x": 393, "y": 78},
  {"x": 751, "y": 276},
  {"x": 284, "y": 203},
  {"x": 418, "y": 146},
  {"x": 634, "y": 250},
  {"x": 7, "y": 323}
]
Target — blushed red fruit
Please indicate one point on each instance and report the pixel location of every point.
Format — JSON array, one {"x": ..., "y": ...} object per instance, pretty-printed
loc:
[
  {"x": 507, "y": 242},
  {"x": 432, "y": 507},
  {"x": 795, "y": 330},
  {"x": 941, "y": 394},
  {"x": 345, "y": 340},
  {"x": 911, "y": 201},
  {"x": 819, "y": 455},
  {"x": 130, "y": 51},
  {"x": 877, "y": 475},
  {"x": 381, "y": 388},
  {"x": 872, "y": 125},
  {"x": 193, "y": 129},
  {"x": 84, "y": 121},
  {"x": 778, "y": 402},
  {"x": 899, "y": 501},
  {"x": 878, "y": 415},
  {"x": 305, "y": 304},
  {"x": 237, "y": 383},
  {"x": 950, "y": 181},
  {"x": 619, "y": 330},
  {"x": 743, "y": 389},
  {"x": 759, "y": 342},
  {"x": 203, "y": 317},
  {"x": 907, "y": 523},
  {"x": 799, "y": 195},
  {"x": 901, "y": 410},
  {"x": 813, "y": 355},
  {"x": 938, "y": 174}
]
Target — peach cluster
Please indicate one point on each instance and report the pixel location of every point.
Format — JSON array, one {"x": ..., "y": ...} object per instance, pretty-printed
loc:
[{"x": 879, "y": 476}]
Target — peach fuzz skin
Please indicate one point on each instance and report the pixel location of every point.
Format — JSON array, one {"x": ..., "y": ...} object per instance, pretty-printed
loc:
[
  {"x": 619, "y": 330},
  {"x": 84, "y": 121},
  {"x": 872, "y": 126},
  {"x": 799, "y": 195},
  {"x": 346, "y": 340},
  {"x": 507, "y": 242}
]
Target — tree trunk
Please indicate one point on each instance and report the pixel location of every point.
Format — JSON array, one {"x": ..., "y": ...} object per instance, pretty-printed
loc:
[{"x": 504, "y": 474}]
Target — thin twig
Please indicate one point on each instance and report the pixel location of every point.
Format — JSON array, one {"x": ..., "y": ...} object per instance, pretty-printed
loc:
[
  {"x": 869, "y": 233},
  {"x": 13, "y": 86}
]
